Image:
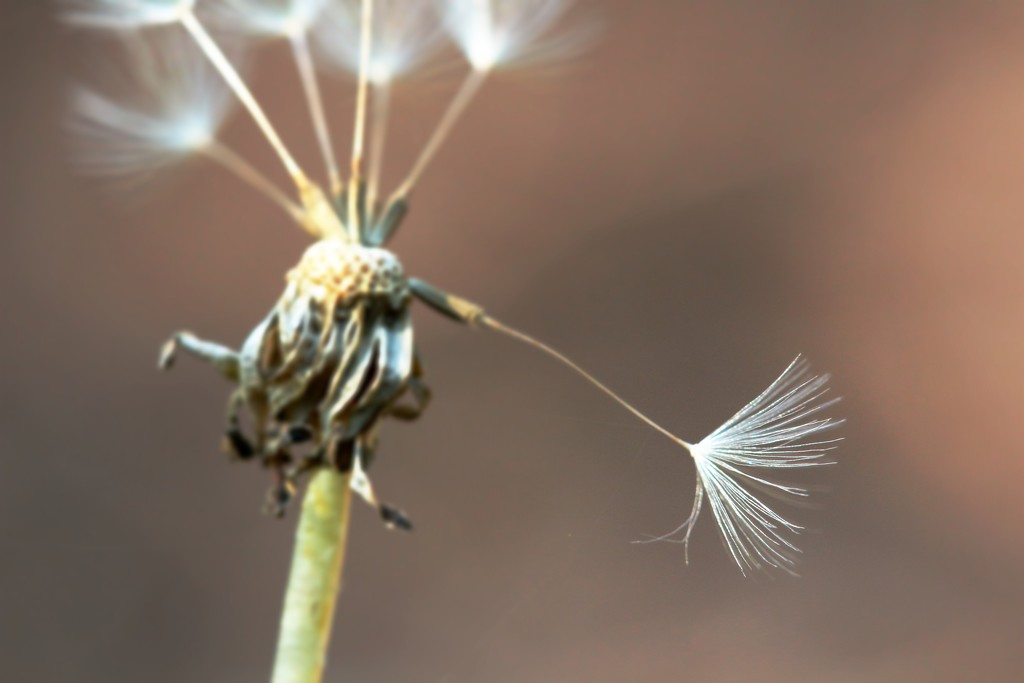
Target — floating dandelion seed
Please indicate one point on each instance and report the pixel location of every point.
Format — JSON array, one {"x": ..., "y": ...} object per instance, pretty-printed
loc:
[{"x": 336, "y": 354}]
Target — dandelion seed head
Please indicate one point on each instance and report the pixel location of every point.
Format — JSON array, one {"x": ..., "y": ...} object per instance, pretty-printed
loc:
[
  {"x": 124, "y": 14},
  {"x": 184, "y": 92},
  {"x": 780, "y": 429},
  {"x": 405, "y": 33},
  {"x": 178, "y": 105},
  {"x": 266, "y": 18},
  {"x": 492, "y": 33}
]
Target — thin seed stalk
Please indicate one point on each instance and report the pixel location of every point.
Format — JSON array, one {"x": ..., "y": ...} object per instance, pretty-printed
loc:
[{"x": 315, "y": 579}]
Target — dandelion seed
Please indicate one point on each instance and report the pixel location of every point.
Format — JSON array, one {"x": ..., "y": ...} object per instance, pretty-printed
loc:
[
  {"x": 493, "y": 33},
  {"x": 266, "y": 18},
  {"x": 777, "y": 430},
  {"x": 179, "y": 105},
  {"x": 315, "y": 215},
  {"x": 124, "y": 14},
  {"x": 490, "y": 34},
  {"x": 292, "y": 20},
  {"x": 405, "y": 33}
]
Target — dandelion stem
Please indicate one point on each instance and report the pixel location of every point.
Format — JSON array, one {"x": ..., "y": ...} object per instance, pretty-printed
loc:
[
  {"x": 458, "y": 105},
  {"x": 228, "y": 72},
  {"x": 381, "y": 109},
  {"x": 356, "y": 181},
  {"x": 561, "y": 357},
  {"x": 232, "y": 161},
  {"x": 315, "y": 579},
  {"x": 307, "y": 74}
]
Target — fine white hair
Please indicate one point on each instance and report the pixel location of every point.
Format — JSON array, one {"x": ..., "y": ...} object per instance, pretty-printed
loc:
[
  {"x": 405, "y": 33},
  {"x": 780, "y": 429},
  {"x": 123, "y": 14},
  {"x": 178, "y": 104},
  {"x": 265, "y": 18},
  {"x": 496, "y": 33}
]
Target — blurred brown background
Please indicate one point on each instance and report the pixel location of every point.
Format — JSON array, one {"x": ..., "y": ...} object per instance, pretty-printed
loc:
[{"x": 716, "y": 187}]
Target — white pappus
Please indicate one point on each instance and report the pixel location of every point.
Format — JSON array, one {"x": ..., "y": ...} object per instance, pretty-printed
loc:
[
  {"x": 124, "y": 14},
  {"x": 405, "y": 34},
  {"x": 176, "y": 103},
  {"x": 268, "y": 18},
  {"x": 494, "y": 33}
]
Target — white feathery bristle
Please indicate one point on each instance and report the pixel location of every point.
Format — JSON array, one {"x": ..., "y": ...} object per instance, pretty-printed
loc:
[
  {"x": 493, "y": 33},
  {"x": 777, "y": 430},
  {"x": 405, "y": 32},
  {"x": 265, "y": 18},
  {"x": 179, "y": 104},
  {"x": 124, "y": 14}
]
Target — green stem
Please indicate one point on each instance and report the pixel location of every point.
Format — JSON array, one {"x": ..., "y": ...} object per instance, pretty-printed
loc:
[{"x": 315, "y": 579}]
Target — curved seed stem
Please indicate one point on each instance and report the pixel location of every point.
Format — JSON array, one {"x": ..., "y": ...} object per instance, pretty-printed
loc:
[
  {"x": 378, "y": 134},
  {"x": 315, "y": 579},
  {"x": 356, "y": 180},
  {"x": 462, "y": 98},
  {"x": 307, "y": 74},
  {"x": 497, "y": 326},
  {"x": 232, "y": 161}
]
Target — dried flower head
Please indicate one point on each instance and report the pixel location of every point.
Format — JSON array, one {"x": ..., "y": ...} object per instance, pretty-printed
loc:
[{"x": 335, "y": 355}]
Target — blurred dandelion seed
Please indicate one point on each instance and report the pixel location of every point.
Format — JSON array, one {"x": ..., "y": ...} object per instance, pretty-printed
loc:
[
  {"x": 124, "y": 14},
  {"x": 405, "y": 34},
  {"x": 264, "y": 18},
  {"x": 336, "y": 354},
  {"x": 190, "y": 98},
  {"x": 500, "y": 33},
  {"x": 178, "y": 105}
]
